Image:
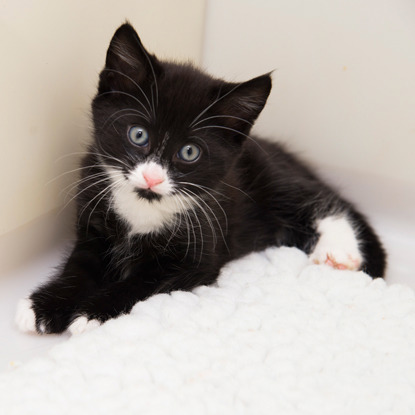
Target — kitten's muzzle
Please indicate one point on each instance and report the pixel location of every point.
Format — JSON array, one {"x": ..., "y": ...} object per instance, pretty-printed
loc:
[
  {"x": 150, "y": 176},
  {"x": 149, "y": 179}
]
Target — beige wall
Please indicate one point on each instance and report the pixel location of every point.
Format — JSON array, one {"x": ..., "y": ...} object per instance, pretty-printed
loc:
[
  {"x": 344, "y": 85},
  {"x": 51, "y": 53}
]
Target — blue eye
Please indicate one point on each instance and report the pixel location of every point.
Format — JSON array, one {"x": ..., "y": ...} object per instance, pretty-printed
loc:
[
  {"x": 138, "y": 136},
  {"x": 189, "y": 153}
]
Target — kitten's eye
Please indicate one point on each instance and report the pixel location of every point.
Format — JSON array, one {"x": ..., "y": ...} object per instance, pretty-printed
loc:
[
  {"x": 189, "y": 153},
  {"x": 138, "y": 136}
]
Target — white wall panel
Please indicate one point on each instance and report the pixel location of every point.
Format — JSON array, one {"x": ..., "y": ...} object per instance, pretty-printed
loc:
[{"x": 344, "y": 80}]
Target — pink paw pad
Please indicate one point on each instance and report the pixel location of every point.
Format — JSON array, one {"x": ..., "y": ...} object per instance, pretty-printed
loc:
[{"x": 350, "y": 263}]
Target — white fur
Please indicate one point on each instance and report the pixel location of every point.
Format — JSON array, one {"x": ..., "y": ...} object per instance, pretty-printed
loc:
[
  {"x": 338, "y": 245},
  {"x": 25, "y": 316},
  {"x": 275, "y": 335},
  {"x": 142, "y": 215},
  {"x": 82, "y": 324},
  {"x": 124, "y": 54}
]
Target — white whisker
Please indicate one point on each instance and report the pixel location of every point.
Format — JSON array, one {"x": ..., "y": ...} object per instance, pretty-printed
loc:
[
  {"x": 207, "y": 190},
  {"x": 195, "y": 200},
  {"x": 128, "y": 95},
  {"x": 109, "y": 157},
  {"x": 237, "y": 188},
  {"x": 192, "y": 209},
  {"x": 77, "y": 183},
  {"x": 188, "y": 227},
  {"x": 214, "y": 103},
  {"x": 69, "y": 172},
  {"x": 132, "y": 80},
  {"x": 154, "y": 77},
  {"x": 222, "y": 116},
  {"x": 82, "y": 191},
  {"x": 216, "y": 218},
  {"x": 133, "y": 112},
  {"x": 106, "y": 190},
  {"x": 231, "y": 129}
]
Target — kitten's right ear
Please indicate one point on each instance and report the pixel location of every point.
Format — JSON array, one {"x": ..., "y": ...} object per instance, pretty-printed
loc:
[{"x": 127, "y": 62}]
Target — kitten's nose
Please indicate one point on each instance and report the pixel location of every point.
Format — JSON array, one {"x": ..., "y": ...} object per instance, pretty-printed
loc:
[{"x": 153, "y": 175}]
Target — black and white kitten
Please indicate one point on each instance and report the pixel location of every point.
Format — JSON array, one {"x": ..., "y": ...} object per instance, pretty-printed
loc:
[{"x": 173, "y": 187}]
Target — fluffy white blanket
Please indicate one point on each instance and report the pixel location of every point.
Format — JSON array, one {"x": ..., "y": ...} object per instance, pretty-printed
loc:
[{"x": 276, "y": 335}]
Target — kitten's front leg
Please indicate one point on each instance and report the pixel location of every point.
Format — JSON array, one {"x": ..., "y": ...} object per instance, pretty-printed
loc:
[
  {"x": 51, "y": 307},
  {"x": 120, "y": 296},
  {"x": 109, "y": 302}
]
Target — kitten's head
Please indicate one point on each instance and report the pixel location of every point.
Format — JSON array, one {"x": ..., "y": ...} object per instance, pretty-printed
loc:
[{"x": 167, "y": 131}]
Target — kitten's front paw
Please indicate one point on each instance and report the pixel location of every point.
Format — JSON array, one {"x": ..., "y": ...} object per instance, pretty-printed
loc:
[
  {"x": 337, "y": 246},
  {"x": 82, "y": 324},
  {"x": 25, "y": 316},
  {"x": 47, "y": 314}
]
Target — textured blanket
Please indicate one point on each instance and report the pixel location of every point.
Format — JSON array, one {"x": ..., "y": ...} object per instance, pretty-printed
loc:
[{"x": 275, "y": 335}]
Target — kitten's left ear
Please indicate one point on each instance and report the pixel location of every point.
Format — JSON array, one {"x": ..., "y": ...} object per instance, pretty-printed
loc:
[
  {"x": 127, "y": 62},
  {"x": 240, "y": 104}
]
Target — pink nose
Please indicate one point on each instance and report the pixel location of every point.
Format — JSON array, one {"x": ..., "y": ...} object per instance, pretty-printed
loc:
[{"x": 153, "y": 175}]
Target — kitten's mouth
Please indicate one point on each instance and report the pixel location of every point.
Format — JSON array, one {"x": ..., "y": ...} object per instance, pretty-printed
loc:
[{"x": 148, "y": 194}]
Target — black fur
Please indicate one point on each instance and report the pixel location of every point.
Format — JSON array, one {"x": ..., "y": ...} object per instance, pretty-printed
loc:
[{"x": 254, "y": 194}]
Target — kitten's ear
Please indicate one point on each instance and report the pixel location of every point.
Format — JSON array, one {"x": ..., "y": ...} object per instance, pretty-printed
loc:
[
  {"x": 240, "y": 104},
  {"x": 127, "y": 62}
]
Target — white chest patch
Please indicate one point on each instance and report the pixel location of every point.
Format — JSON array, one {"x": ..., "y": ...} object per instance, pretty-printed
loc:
[{"x": 144, "y": 216}]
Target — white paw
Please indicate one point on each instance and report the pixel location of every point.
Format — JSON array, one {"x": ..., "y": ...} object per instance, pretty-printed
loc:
[
  {"x": 25, "y": 316},
  {"x": 338, "y": 259},
  {"x": 337, "y": 246},
  {"x": 82, "y": 324}
]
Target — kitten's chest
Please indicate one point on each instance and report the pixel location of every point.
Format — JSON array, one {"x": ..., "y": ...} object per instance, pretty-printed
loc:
[{"x": 140, "y": 255}]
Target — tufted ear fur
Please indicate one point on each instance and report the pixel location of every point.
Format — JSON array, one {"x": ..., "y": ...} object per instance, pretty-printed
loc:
[
  {"x": 240, "y": 104},
  {"x": 127, "y": 62}
]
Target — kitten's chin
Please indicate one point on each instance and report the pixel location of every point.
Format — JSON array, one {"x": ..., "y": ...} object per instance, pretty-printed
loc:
[
  {"x": 148, "y": 195},
  {"x": 144, "y": 210}
]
